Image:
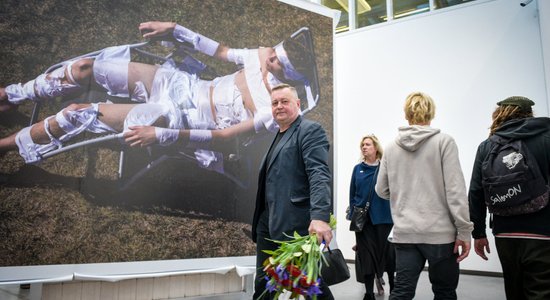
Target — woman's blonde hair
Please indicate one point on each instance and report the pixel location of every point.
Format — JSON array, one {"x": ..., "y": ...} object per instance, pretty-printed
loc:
[
  {"x": 504, "y": 113},
  {"x": 419, "y": 108},
  {"x": 375, "y": 142}
]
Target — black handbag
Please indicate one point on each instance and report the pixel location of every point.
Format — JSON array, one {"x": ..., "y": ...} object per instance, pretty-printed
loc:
[
  {"x": 360, "y": 214},
  {"x": 335, "y": 269},
  {"x": 359, "y": 218}
]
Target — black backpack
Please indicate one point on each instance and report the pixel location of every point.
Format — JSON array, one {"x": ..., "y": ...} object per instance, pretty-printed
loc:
[{"x": 511, "y": 179}]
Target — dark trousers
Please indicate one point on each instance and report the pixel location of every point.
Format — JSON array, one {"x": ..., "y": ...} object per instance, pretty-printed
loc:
[
  {"x": 373, "y": 255},
  {"x": 443, "y": 270},
  {"x": 262, "y": 234},
  {"x": 526, "y": 267}
]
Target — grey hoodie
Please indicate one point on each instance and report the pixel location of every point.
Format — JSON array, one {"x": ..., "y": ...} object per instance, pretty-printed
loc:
[{"x": 421, "y": 175}]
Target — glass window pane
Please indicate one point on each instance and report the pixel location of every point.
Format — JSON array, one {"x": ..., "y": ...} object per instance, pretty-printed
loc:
[
  {"x": 446, "y": 3},
  {"x": 342, "y": 6},
  {"x": 405, "y": 8},
  {"x": 370, "y": 12}
]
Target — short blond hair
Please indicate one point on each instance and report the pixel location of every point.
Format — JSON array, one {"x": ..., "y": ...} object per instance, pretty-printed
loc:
[{"x": 419, "y": 108}]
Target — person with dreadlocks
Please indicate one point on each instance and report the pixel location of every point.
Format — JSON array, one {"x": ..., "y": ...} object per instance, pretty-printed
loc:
[
  {"x": 522, "y": 241},
  {"x": 170, "y": 105}
]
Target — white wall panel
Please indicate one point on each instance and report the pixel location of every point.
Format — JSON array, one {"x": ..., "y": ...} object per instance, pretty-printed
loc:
[{"x": 467, "y": 58}]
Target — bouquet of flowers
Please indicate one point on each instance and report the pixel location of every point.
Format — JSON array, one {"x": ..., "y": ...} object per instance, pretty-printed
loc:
[{"x": 295, "y": 266}]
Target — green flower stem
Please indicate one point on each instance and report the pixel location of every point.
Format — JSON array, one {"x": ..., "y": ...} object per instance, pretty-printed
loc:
[{"x": 302, "y": 252}]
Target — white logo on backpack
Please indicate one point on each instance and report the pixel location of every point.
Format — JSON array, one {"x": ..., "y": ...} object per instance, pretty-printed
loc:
[
  {"x": 512, "y": 159},
  {"x": 512, "y": 192}
]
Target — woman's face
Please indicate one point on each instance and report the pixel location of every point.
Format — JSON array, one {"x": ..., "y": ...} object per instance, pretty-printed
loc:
[
  {"x": 274, "y": 66},
  {"x": 368, "y": 149}
]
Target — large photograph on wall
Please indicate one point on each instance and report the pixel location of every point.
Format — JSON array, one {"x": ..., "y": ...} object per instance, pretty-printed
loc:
[{"x": 124, "y": 139}]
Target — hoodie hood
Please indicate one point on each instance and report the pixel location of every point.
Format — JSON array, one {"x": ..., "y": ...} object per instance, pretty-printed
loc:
[
  {"x": 523, "y": 128},
  {"x": 412, "y": 137}
]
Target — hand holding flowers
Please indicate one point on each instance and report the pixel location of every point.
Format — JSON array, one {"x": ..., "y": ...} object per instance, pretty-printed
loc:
[{"x": 295, "y": 266}]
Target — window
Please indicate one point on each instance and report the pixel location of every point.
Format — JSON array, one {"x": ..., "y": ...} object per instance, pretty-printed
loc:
[
  {"x": 405, "y": 8},
  {"x": 370, "y": 12},
  {"x": 375, "y": 12},
  {"x": 342, "y": 6}
]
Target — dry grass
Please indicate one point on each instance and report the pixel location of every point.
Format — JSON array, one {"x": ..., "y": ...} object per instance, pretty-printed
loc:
[
  {"x": 70, "y": 208},
  {"x": 66, "y": 229}
]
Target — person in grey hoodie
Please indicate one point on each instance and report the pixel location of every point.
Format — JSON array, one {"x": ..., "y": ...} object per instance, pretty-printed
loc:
[{"x": 420, "y": 174}]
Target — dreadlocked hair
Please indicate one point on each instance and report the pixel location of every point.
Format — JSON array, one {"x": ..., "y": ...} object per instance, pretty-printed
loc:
[{"x": 505, "y": 113}]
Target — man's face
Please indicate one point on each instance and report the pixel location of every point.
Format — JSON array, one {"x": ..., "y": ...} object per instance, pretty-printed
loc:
[{"x": 285, "y": 107}]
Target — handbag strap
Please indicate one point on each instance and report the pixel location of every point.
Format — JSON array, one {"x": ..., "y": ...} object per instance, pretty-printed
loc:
[{"x": 371, "y": 188}]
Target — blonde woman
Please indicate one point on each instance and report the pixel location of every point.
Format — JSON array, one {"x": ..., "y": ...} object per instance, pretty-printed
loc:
[{"x": 372, "y": 247}]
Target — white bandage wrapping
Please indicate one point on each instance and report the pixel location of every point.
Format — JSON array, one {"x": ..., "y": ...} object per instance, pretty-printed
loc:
[
  {"x": 140, "y": 93},
  {"x": 200, "y": 42},
  {"x": 27, "y": 148},
  {"x": 236, "y": 55},
  {"x": 200, "y": 135},
  {"x": 112, "y": 75},
  {"x": 18, "y": 93},
  {"x": 71, "y": 122},
  {"x": 263, "y": 120},
  {"x": 288, "y": 69},
  {"x": 74, "y": 122},
  {"x": 49, "y": 86},
  {"x": 44, "y": 87},
  {"x": 145, "y": 115},
  {"x": 166, "y": 136}
]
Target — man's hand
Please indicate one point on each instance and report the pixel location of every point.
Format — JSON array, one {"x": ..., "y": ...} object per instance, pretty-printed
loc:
[
  {"x": 480, "y": 245},
  {"x": 140, "y": 136},
  {"x": 322, "y": 229},
  {"x": 464, "y": 249},
  {"x": 155, "y": 29}
]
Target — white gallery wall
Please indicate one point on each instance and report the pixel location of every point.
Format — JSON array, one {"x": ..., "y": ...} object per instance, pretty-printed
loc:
[{"x": 466, "y": 57}]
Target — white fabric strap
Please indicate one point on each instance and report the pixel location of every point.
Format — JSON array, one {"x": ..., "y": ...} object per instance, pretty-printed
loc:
[
  {"x": 70, "y": 71},
  {"x": 236, "y": 55},
  {"x": 200, "y": 42},
  {"x": 288, "y": 69},
  {"x": 166, "y": 136},
  {"x": 53, "y": 139},
  {"x": 200, "y": 135}
]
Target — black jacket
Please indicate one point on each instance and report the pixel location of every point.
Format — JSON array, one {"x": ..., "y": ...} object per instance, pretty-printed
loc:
[
  {"x": 295, "y": 183},
  {"x": 535, "y": 133}
]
